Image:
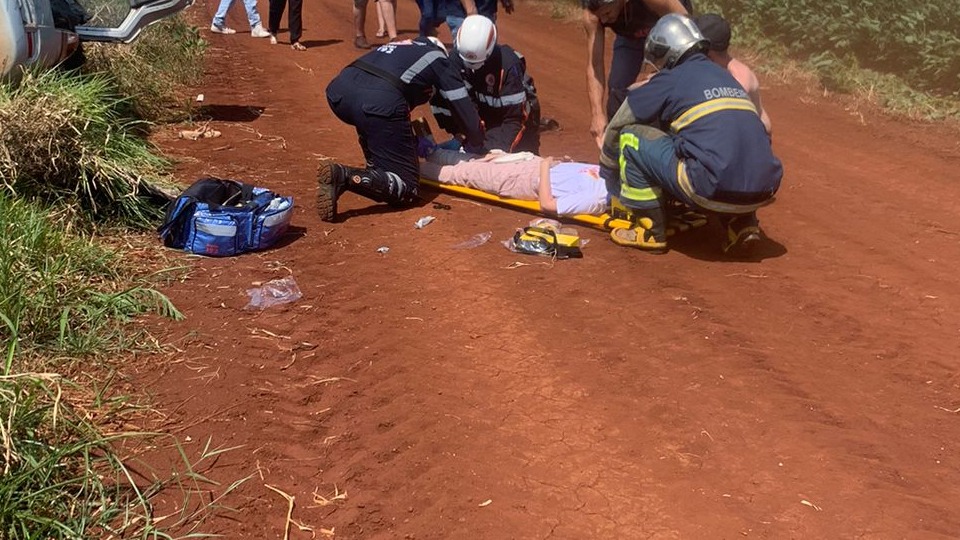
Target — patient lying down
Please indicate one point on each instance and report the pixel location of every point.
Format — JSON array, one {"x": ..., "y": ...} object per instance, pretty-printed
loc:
[{"x": 562, "y": 188}]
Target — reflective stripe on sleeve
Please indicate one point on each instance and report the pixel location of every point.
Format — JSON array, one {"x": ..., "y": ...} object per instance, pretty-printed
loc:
[
  {"x": 455, "y": 94},
  {"x": 502, "y": 101},
  {"x": 417, "y": 67},
  {"x": 697, "y": 112}
]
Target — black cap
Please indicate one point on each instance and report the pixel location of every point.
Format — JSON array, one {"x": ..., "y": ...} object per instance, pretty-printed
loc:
[{"x": 715, "y": 29}]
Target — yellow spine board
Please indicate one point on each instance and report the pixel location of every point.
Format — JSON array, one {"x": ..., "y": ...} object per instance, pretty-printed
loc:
[{"x": 602, "y": 222}]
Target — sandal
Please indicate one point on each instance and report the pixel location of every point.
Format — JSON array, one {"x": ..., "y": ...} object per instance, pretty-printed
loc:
[
  {"x": 381, "y": 33},
  {"x": 298, "y": 46},
  {"x": 361, "y": 42}
]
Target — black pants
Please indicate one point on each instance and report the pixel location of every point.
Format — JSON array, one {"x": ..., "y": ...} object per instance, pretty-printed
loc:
[
  {"x": 294, "y": 18},
  {"x": 625, "y": 66},
  {"x": 381, "y": 116}
]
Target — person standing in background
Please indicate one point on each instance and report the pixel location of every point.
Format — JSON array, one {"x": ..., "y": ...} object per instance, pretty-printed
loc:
[
  {"x": 386, "y": 19},
  {"x": 717, "y": 31},
  {"x": 359, "y": 22},
  {"x": 488, "y": 8},
  {"x": 219, "y": 24},
  {"x": 294, "y": 22},
  {"x": 631, "y": 21},
  {"x": 433, "y": 13}
]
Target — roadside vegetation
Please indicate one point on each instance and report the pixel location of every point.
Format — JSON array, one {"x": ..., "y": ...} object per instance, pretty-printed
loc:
[
  {"x": 152, "y": 73},
  {"x": 901, "y": 56},
  {"x": 79, "y": 186}
]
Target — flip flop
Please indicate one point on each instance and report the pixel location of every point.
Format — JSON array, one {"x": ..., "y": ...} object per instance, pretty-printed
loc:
[{"x": 298, "y": 46}]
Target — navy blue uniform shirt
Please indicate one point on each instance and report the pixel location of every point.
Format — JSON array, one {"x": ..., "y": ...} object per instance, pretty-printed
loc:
[
  {"x": 501, "y": 90},
  {"x": 421, "y": 67},
  {"x": 714, "y": 127}
]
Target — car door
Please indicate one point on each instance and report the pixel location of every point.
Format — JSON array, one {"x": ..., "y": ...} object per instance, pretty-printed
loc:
[
  {"x": 29, "y": 35},
  {"x": 120, "y": 21}
]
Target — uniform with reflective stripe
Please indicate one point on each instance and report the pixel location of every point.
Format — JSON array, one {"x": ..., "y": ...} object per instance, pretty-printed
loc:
[
  {"x": 505, "y": 98},
  {"x": 421, "y": 67},
  {"x": 724, "y": 151},
  {"x": 634, "y": 193}
]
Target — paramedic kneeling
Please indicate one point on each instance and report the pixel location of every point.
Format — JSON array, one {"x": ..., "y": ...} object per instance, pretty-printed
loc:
[
  {"x": 690, "y": 134},
  {"x": 375, "y": 94}
]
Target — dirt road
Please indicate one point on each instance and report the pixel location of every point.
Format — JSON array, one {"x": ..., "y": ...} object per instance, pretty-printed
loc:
[{"x": 810, "y": 394}]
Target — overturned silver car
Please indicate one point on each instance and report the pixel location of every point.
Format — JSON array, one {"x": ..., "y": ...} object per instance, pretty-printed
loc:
[{"x": 47, "y": 33}]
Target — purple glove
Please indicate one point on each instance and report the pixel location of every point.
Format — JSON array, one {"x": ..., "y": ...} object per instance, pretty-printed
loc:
[
  {"x": 452, "y": 144},
  {"x": 425, "y": 147}
]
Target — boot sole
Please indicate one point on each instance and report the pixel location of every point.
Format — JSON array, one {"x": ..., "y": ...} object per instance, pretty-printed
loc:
[
  {"x": 654, "y": 249},
  {"x": 326, "y": 198}
]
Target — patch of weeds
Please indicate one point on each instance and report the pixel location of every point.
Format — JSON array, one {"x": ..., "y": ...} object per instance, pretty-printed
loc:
[
  {"x": 153, "y": 72},
  {"x": 64, "y": 140}
]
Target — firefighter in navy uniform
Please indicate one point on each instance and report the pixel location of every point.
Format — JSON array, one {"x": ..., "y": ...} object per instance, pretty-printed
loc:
[
  {"x": 689, "y": 135},
  {"x": 375, "y": 94},
  {"x": 496, "y": 78}
]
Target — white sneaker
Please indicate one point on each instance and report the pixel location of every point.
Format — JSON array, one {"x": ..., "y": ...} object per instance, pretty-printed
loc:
[
  {"x": 259, "y": 31},
  {"x": 221, "y": 29}
]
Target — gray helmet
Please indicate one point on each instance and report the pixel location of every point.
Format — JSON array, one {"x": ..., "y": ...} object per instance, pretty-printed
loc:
[{"x": 670, "y": 39}]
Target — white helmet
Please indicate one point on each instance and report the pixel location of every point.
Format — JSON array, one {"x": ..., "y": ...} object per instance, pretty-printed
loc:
[
  {"x": 439, "y": 44},
  {"x": 670, "y": 39},
  {"x": 475, "y": 40}
]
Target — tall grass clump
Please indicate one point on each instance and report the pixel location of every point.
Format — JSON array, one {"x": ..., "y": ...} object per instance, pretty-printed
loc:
[
  {"x": 61, "y": 292},
  {"x": 64, "y": 140},
  {"x": 59, "y": 475},
  {"x": 155, "y": 70}
]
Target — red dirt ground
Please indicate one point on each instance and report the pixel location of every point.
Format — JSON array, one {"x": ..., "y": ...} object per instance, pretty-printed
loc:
[{"x": 810, "y": 394}]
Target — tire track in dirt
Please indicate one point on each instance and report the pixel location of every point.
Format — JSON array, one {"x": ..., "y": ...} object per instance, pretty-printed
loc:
[{"x": 617, "y": 396}]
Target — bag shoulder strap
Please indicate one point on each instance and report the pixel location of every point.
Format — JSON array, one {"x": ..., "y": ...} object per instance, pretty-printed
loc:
[{"x": 382, "y": 73}]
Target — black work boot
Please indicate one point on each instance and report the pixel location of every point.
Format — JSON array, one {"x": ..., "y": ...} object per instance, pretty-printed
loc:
[
  {"x": 743, "y": 234},
  {"x": 379, "y": 185},
  {"x": 331, "y": 183}
]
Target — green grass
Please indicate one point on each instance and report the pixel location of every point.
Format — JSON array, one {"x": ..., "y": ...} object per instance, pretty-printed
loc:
[
  {"x": 65, "y": 141},
  {"x": 61, "y": 476},
  {"x": 62, "y": 292},
  {"x": 896, "y": 55},
  {"x": 155, "y": 71},
  {"x": 74, "y": 164}
]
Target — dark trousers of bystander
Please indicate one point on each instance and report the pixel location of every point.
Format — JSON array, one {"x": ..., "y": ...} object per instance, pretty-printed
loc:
[
  {"x": 625, "y": 67},
  {"x": 294, "y": 18}
]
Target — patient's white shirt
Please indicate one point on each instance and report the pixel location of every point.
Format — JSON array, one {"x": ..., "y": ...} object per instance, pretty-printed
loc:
[{"x": 578, "y": 188}]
